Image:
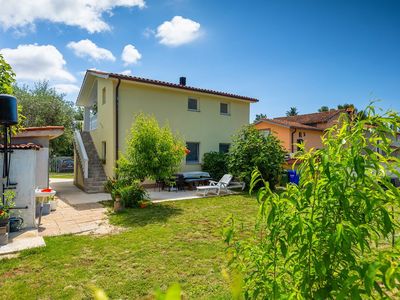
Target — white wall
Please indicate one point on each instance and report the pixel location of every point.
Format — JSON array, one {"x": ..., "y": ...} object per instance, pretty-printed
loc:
[
  {"x": 42, "y": 168},
  {"x": 23, "y": 172}
]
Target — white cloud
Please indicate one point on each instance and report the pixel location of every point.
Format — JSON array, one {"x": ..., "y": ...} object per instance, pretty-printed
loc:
[
  {"x": 35, "y": 62},
  {"x": 130, "y": 55},
  {"x": 126, "y": 72},
  {"x": 86, "y": 48},
  {"x": 178, "y": 31},
  {"x": 148, "y": 32},
  {"x": 67, "y": 88},
  {"x": 86, "y": 14}
]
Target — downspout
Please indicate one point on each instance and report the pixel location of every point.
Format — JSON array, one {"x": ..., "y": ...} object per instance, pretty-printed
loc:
[
  {"x": 293, "y": 132},
  {"x": 117, "y": 120}
]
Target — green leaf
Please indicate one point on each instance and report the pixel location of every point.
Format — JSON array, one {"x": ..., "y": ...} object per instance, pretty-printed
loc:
[
  {"x": 388, "y": 276},
  {"x": 283, "y": 247}
]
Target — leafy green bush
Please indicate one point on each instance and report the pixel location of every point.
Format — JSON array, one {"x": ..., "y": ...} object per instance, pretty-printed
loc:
[
  {"x": 250, "y": 150},
  {"x": 333, "y": 236},
  {"x": 153, "y": 152},
  {"x": 216, "y": 164},
  {"x": 133, "y": 194}
]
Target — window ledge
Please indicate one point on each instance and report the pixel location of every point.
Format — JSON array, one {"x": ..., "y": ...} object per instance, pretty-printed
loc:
[
  {"x": 222, "y": 114},
  {"x": 194, "y": 110}
]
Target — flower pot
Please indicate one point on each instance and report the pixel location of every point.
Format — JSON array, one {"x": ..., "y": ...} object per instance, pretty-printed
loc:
[
  {"x": 3, "y": 236},
  {"x": 53, "y": 205},
  {"x": 4, "y": 222},
  {"x": 117, "y": 204}
]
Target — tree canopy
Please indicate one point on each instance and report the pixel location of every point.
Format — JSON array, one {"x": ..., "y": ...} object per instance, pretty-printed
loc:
[
  {"x": 42, "y": 105},
  {"x": 251, "y": 149},
  {"x": 292, "y": 112},
  {"x": 152, "y": 152},
  {"x": 260, "y": 116},
  {"x": 7, "y": 77},
  {"x": 323, "y": 108}
]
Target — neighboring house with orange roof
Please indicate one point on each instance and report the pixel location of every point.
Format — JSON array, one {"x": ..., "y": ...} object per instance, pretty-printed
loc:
[{"x": 307, "y": 128}]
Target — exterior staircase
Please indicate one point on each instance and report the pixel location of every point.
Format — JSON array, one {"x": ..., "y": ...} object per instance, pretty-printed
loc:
[{"x": 96, "y": 177}]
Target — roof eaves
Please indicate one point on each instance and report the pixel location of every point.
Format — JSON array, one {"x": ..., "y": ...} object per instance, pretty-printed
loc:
[{"x": 177, "y": 86}]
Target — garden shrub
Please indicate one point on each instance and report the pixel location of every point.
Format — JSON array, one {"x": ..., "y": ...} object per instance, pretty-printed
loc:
[
  {"x": 333, "y": 236},
  {"x": 251, "y": 149},
  {"x": 216, "y": 164},
  {"x": 153, "y": 152},
  {"x": 133, "y": 194}
]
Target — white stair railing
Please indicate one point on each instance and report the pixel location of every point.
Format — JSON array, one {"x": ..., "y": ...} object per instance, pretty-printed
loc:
[{"x": 83, "y": 158}]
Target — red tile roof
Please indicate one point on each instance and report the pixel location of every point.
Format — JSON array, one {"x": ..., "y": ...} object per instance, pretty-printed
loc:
[
  {"x": 27, "y": 146},
  {"x": 173, "y": 85},
  {"x": 314, "y": 118},
  {"x": 43, "y": 128},
  {"x": 291, "y": 124}
]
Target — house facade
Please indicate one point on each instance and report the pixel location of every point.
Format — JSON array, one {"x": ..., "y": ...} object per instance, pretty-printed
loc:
[
  {"x": 205, "y": 119},
  {"x": 307, "y": 129}
]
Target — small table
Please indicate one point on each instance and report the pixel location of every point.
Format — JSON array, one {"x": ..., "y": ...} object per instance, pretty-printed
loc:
[{"x": 42, "y": 196}]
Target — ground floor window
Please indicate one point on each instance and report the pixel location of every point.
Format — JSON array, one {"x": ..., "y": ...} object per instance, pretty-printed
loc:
[
  {"x": 193, "y": 155},
  {"x": 224, "y": 147}
]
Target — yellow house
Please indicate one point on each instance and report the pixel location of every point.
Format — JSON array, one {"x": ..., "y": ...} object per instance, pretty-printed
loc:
[{"x": 206, "y": 119}]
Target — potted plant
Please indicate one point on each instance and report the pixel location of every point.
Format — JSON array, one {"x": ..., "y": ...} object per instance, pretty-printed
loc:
[
  {"x": 5, "y": 215},
  {"x": 5, "y": 207},
  {"x": 116, "y": 195}
]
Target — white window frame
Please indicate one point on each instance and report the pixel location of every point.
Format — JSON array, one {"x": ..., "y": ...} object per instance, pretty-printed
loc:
[
  {"x": 228, "y": 106},
  {"x": 197, "y": 104},
  {"x": 193, "y": 162}
]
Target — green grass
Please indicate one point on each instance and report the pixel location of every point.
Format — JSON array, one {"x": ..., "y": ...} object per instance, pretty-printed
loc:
[
  {"x": 61, "y": 175},
  {"x": 171, "y": 242}
]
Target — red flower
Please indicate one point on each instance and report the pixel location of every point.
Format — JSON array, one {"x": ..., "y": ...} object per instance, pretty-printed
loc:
[{"x": 187, "y": 151}]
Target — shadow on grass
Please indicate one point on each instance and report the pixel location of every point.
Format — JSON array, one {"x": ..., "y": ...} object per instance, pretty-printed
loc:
[{"x": 136, "y": 217}]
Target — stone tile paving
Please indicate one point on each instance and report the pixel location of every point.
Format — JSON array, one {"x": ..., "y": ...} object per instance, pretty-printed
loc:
[{"x": 88, "y": 218}]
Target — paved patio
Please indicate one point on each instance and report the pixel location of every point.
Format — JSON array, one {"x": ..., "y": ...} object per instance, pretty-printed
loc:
[
  {"x": 163, "y": 196},
  {"x": 18, "y": 241},
  {"x": 69, "y": 193},
  {"x": 89, "y": 218}
]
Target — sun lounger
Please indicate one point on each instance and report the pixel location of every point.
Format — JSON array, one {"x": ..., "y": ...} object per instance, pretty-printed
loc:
[{"x": 216, "y": 186}]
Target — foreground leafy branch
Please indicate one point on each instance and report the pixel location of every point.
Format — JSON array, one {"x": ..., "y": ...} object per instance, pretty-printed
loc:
[{"x": 333, "y": 235}]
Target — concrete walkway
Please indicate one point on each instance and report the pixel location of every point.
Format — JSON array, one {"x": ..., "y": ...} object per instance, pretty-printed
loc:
[
  {"x": 18, "y": 241},
  {"x": 69, "y": 193}
]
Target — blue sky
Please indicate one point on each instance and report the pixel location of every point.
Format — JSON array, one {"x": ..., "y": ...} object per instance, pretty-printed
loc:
[{"x": 285, "y": 53}]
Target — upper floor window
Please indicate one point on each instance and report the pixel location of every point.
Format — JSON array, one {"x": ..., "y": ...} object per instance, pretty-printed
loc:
[
  {"x": 224, "y": 147},
  {"x": 103, "y": 96},
  {"x": 193, "y": 104},
  {"x": 224, "y": 108},
  {"x": 193, "y": 156}
]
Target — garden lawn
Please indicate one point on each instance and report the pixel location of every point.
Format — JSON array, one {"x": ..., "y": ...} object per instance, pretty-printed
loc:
[
  {"x": 61, "y": 175},
  {"x": 171, "y": 242}
]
